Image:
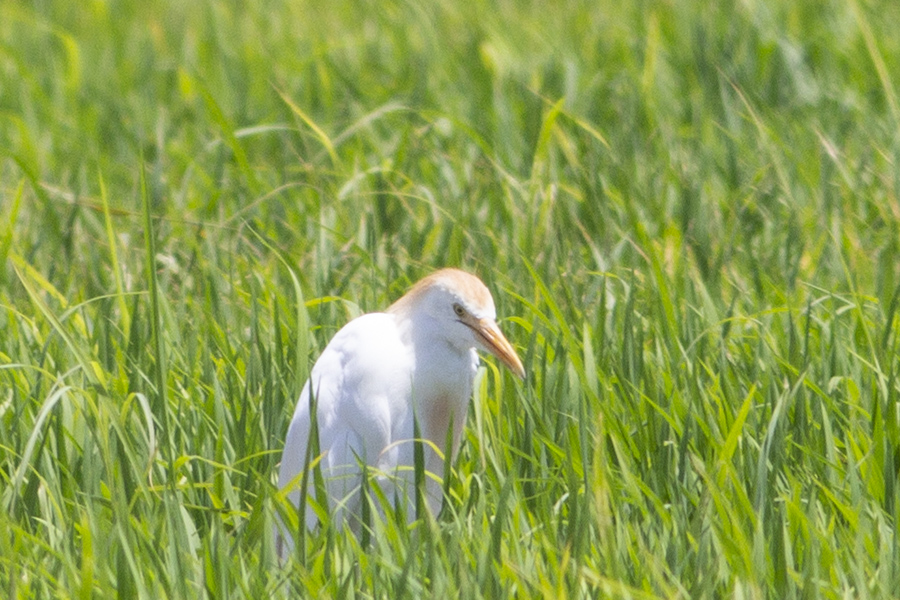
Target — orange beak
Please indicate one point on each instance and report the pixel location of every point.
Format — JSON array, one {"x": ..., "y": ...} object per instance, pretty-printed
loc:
[{"x": 496, "y": 343}]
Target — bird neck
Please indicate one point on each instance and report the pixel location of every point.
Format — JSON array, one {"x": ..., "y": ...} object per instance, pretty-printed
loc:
[{"x": 438, "y": 360}]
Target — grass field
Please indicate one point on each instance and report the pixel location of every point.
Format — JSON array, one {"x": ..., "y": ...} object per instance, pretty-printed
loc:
[{"x": 689, "y": 214}]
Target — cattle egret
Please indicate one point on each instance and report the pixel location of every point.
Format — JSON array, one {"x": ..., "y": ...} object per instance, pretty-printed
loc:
[{"x": 381, "y": 371}]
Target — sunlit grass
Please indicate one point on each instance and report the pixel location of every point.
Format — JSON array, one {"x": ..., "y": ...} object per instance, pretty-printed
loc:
[{"x": 688, "y": 216}]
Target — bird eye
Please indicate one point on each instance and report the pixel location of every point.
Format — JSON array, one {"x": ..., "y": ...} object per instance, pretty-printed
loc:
[{"x": 459, "y": 310}]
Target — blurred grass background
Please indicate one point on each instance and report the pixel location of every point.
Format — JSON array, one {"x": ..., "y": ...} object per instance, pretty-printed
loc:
[{"x": 688, "y": 213}]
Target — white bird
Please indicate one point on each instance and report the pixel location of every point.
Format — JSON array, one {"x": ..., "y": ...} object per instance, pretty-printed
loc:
[{"x": 381, "y": 371}]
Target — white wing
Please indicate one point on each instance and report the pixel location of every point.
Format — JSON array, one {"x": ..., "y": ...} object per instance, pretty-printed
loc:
[{"x": 362, "y": 385}]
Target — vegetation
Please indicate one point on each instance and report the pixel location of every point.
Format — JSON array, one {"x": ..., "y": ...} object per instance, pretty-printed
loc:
[{"x": 688, "y": 213}]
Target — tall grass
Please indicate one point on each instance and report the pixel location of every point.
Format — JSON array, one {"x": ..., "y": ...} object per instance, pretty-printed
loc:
[{"x": 688, "y": 215}]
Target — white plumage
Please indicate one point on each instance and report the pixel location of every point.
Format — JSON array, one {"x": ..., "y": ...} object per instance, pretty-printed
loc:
[{"x": 379, "y": 370}]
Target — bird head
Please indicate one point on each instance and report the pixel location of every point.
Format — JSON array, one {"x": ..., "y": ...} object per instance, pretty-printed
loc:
[{"x": 459, "y": 308}]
